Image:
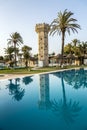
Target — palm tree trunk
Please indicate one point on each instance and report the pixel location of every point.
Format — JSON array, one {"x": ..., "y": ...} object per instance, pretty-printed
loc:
[
  {"x": 26, "y": 63},
  {"x": 15, "y": 53},
  {"x": 62, "y": 49},
  {"x": 70, "y": 58},
  {"x": 63, "y": 89}
]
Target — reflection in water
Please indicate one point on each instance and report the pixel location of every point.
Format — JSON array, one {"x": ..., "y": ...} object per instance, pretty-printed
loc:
[
  {"x": 67, "y": 110},
  {"x": 44, "y": 95},
  {"x": 15, "y": 90},
  {"x": 77, "y": 78},
  {"x": 51, "y": 114},
  {"x": 27, "y": 80}
]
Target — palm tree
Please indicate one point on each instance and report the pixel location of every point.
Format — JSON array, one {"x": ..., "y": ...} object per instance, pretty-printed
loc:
[
  {"x": 76, "y": 47},
  {"x": 16, "y": 40},
  {"x": 68, "y": 48},
  {"x": 75, "y": 42},
  {"x": 68, "y": 51},
  {"x": 26, "y": 54},
  {"x": 62, "y": 24},
  {"x": 84, "y": 47},
  {"x": 79, "y": 49},
  {"x": 1, "y": 58},
  {"x": 9, "y": 51}
]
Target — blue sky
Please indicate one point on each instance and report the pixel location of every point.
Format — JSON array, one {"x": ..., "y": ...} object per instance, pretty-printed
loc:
[{"x": 23, "y": 15}]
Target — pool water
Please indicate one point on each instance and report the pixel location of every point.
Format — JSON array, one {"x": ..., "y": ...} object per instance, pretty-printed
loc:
[{"x": 55, "y": 101}]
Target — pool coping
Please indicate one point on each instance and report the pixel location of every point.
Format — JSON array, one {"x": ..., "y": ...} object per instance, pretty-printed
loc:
[{"x": 13, "y": 76}]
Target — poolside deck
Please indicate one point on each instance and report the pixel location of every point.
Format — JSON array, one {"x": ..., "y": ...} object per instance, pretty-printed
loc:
[{"x": 11, "y": 76}]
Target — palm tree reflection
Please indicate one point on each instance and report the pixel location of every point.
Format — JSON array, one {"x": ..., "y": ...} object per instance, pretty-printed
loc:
[
  {"x": 77, "y": 78},
  {"x": 15, "y": 90},
  {"x": 67, "y": 110},
  {"x": 27, "y": 80}
]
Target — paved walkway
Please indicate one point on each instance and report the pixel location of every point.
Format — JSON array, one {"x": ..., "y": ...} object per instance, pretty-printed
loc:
[{"x": 11, "y": 76}]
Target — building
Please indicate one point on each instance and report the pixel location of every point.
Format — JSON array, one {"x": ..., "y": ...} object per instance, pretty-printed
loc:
[{"x": 42, "y": 30}]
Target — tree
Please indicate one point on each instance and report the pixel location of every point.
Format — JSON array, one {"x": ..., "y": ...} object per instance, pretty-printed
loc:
[
  {"x": 75, "y": 42},
  {"x": 76, "y": 47},
  {"x": 84, "y": 47},
  {"x": 9, "y": 55},
  {"x": 26, "y": 54},
  {"x": 16, "y": 40},
  {"x": 9, "y": 51},
  {"x": 68, "y": 49},
  {"x": 1, "y": 58},
  {"x": 36, "y": 56},
  {"x": 62, "y": 24}
]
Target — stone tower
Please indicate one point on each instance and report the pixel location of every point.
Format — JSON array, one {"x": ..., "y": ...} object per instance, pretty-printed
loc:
[{"x": 42, "y": 30}]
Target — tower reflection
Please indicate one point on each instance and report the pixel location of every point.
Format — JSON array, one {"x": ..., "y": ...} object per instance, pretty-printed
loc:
[{"x": 44, "y": 92}]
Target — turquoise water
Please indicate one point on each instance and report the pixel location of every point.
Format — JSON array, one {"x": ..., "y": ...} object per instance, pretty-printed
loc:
[{"x": 55, "y": 101}]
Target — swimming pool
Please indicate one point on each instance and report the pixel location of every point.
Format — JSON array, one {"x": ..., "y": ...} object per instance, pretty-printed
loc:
[{"x": 54, "y": 101}]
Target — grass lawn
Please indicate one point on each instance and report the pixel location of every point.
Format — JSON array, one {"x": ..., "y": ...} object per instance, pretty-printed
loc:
[
  {"x": 27, "y": 71},
  {"x": 32, "y": 71}
]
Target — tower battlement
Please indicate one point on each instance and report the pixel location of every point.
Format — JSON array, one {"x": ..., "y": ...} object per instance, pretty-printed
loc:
[{"x": 42, "y": 27}]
